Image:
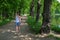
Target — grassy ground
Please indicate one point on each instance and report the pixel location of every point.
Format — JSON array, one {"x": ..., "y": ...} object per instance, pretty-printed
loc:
[{"x": 56, "y": 38}]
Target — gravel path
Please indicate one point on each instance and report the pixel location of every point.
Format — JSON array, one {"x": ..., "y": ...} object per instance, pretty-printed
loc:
[{"x": 7, "y": 32}]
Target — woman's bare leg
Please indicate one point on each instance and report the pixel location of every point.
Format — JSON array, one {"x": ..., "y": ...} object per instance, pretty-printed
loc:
[{"x": 17, "y": 30}]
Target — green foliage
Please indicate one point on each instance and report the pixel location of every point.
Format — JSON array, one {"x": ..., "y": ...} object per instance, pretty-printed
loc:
[
  {"x": 8, "y": 9},
  {"x": 9, "y": 5},
  {"x": 35, "y": 27},
  {"x": 5, "y": 21},
  {"x": 30, "y": 20},
  {"x": 57, "y": 38},
  {"x": 55, "y": 28},
  {"x": 12, "y": 6},
  {"x": 55, "y": 19},
  {"x": 55, "y": 8}
]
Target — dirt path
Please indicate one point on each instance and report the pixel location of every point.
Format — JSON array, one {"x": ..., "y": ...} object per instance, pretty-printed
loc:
[{"x": 7, "y": 32}]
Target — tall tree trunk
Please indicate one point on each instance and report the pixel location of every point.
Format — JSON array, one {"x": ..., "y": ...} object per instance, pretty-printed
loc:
[
  {"x": 38, "y": 10},
  {"x": 46, "y": 16},
  {"x": 32, "y": 8},
  {"x": 5, "y": 14}
]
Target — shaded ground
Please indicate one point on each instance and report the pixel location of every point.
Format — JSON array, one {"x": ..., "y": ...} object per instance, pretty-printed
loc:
[{"x": 7, "y": 32}]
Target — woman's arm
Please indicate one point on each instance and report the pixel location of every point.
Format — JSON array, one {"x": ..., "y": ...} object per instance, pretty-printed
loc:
[{"x": 20, "y": 18}]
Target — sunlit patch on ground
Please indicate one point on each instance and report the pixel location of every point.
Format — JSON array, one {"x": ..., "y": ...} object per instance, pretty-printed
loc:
[
  {"x": 3, "y": 31},
  {"x": 15, "y": 37}
]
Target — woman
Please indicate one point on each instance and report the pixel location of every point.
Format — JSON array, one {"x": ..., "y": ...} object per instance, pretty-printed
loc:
[{"x": 18, "y": 22}]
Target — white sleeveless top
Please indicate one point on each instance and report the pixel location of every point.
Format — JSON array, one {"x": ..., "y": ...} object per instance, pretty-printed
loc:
[{"x": 17, "y": 19}]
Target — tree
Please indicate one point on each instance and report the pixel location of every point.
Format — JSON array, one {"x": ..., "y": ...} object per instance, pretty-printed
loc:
[
  {"x": 46, "y": 16},
  {"x": 32, "y": 8},
  {"x": 38, "y": 10},
  {"x": 7, "y": 7}
]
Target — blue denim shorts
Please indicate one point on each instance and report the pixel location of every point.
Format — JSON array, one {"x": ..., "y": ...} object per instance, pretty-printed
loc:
[{"x": 18, "y": 23}]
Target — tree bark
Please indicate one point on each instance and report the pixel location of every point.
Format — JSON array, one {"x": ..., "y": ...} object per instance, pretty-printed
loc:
[
  {"x": 32, "y": 8},
  {"x": 5, "y": 14},
  {"x": 46, "y": 17},
  {"x": 38, "y": 10}
]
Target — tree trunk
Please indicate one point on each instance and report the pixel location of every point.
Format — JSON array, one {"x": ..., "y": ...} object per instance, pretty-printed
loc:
[
  {"x": 46, "y": 17},
  {"x": 38, "y": 10},
  {"x": 32, "y": 8},
  {"x": 5, "y": 14}
]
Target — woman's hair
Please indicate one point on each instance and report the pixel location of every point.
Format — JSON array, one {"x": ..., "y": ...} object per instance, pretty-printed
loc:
[{"x": 18, "y": 13}]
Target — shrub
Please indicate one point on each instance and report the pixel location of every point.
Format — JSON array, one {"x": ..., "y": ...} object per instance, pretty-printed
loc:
[
  {"x": 35, "y": 27},
  {"x": 5, "y": 21},
  {"x": 56, "y": 28}
]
